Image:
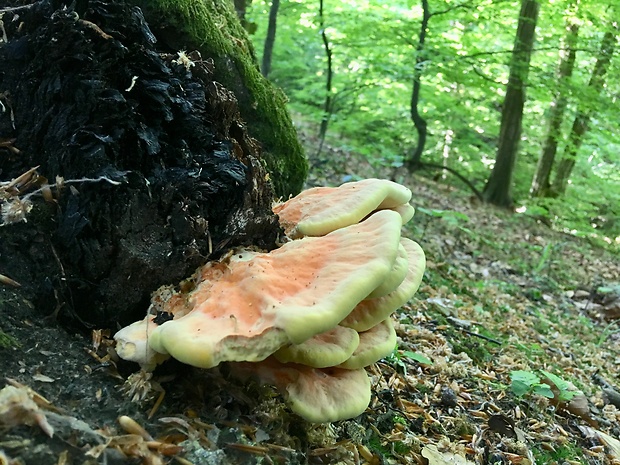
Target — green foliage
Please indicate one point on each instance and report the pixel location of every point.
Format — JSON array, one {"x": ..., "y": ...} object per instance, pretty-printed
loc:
[
  {"x": 418, "y": 357},
  {"x": 563, "y": 387},
  {"x": 397, "y": 359},
  {"x": 527, "y": 382},
  {"x": 463, "y": 75},
  {"x": 560, "y": 454},
  {"x": 7, "y": 341}
]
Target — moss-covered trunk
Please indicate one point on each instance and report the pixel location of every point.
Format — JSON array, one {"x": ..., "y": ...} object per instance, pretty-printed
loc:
[{"x": 212, "y": 27}]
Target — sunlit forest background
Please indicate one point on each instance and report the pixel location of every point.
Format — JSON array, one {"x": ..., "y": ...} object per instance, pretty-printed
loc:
[{"x": 426, "y": 85}]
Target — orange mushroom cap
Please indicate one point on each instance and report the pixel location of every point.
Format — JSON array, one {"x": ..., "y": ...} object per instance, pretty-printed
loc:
[
  {"x": 318, "y": 395},
  {"x": 132, "y": 340},
  {"x": 320, "y": 210},
  {"x": 376, "y": 343},
  {"x": 326, "y": 349},
  {"x": 287, "y": 295},
  {"x": 370, "y": 312}
]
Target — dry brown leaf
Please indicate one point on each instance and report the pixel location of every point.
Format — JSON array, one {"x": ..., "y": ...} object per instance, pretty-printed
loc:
[{"x": 435, "y": 457}]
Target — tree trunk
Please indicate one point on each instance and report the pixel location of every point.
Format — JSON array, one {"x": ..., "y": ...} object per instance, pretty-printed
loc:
[
  {"x": 241, "y": 8},
  {"x": 541, "y": 183},
  {"x": 147, "y": 166},
  {"x": 212, "y": 28},
  {"x": 499, "y": 185},
  {"x": 582, "y": 120},
  {"x": 271, "y": 37},
  {"x": 327, "y": 106},
  {"x": 418, "y": 121}
]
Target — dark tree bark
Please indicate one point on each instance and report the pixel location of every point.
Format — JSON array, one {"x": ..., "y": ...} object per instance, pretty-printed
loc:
[
  {"x": 328, "y": 104},
  {"x": 241, "y": 8},
  {"x": 499, "y": 185},
  {"x": 418, "y": 121},
  {"x": 582, "y": 120},
  {"x": 149, "y": 166},
  {"x": 541, "y": 183},
  {"x": 271, "y": 38}
]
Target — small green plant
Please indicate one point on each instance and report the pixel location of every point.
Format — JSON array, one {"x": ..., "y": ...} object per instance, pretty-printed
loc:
[
  {"x": 526, "y": 382},
  {"x": 396, "y": 359},
  {"x": 560, "y": 454},
  {"x": 7, "y": 341},
  {"x": 565, "y": 394},
  {"x": 607, "y": 331},
  {"x": 418, "y": 357}
]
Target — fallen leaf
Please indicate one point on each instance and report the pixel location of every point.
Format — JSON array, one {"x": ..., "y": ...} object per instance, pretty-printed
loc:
[
  {"x": 42, "y": 378},
  {"x": 435, "y": 457}
]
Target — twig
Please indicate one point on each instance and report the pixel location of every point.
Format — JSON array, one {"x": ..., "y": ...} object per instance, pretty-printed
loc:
[
  {"x": 482, "y": 336},
  {"x": 9, "y": 281},
  {"x": 17, "y": 8}
]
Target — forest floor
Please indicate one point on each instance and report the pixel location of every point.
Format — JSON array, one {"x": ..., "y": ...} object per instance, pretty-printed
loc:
[{"x": 507, "y": 354}]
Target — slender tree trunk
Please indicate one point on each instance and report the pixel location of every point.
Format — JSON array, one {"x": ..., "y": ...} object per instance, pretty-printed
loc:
[
  {"x": 582, "y": 120},
  {"x": 271, "y": 37},
  {"x": 327, "y": 106},
  {"x": 420, "y": 123},
  {"x": 541, "y": 183},
  {"x": 499, "y": 185},
  {"x": 241, "y": 7}
]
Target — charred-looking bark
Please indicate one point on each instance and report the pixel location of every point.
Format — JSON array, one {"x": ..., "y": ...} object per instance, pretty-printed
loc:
[
  {"x": 498, "y": 189},
  {"x": 88, "y": 94}
]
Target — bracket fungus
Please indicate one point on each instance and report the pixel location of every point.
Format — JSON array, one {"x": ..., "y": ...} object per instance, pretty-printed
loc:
[
  {"x": 307, "y": 317},
  {"x": 318, "y": 395},
  {"x": 287, "y": 295},
  {"x": 370, "y": 312},
  {"x": 395, "y": 277},
  {"x": 320, "y": 210},
  {"x": 375, "y": 343},
  {"x": 326, "y": 349}
]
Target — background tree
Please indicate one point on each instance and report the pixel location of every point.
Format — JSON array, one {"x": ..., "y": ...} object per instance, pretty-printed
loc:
[
  {"x": 418, "y": 121},
  {"x": 541, "y": 183},
  {"x": 271, "y": 37},
  {"x": 329, "y": 76},
  {"x": 463, "y": 76},
  {"x": 499, "y": 185},
  {"x": 584, "y": 114}
]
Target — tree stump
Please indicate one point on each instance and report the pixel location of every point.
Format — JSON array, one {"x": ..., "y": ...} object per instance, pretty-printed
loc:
[{"x": 145, "y": 168}]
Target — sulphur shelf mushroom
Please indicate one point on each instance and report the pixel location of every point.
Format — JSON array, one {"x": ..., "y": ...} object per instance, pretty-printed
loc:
[
  {"x": 326, "y": 349},
  {"x": 288, "y": 295},
  {"x": 318, "y": 395},
  {"x": 370, "y": 312},
  {"x": 307, "y": 317},
  {"x": 320, "y": 210}
]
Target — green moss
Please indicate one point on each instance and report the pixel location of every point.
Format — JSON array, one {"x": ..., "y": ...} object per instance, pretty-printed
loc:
[
  {"x": 478, "y": 350},
  {"x": 374, "y": 444},
  {"x": 7, "y": 341},
  {"x": 212, "y": 27},
  {"x": 560, "y": 454}
]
